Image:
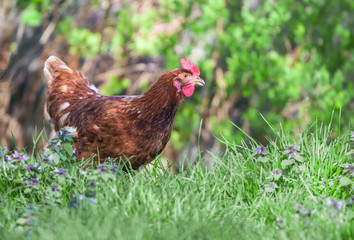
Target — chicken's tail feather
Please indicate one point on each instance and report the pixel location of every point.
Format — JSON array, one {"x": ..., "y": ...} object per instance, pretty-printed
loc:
[
  {"x": 58, "y": 73},
  {"x": 53, "y": 67},
  {"x": 66, "y": 88}
]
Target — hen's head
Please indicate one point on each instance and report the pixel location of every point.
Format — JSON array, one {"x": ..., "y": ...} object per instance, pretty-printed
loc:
[{"x": 187, "y": 77}]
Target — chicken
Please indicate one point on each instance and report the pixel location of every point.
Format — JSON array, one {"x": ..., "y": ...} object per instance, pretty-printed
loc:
[{"x": 132, "y": 128}]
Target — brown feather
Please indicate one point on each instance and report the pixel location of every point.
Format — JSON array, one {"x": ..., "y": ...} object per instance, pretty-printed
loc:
[{"x": 133, "y": 127}]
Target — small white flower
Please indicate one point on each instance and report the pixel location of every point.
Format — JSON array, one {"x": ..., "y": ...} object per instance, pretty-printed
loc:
[{"x": 71, "y": 130}]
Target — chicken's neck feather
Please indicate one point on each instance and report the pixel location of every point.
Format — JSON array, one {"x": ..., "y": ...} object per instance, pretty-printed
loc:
[{"x": 160, "y": 103}]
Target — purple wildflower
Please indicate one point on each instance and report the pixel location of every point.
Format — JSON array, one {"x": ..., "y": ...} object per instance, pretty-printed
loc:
[
  {"x": 329, "y": 201},
  {"x": 292, "y": 151},
  {"x": 336, "y": 204},
  {"x": 307, "y": 221},
  {"x": 331, "y": 213},
  {"x": 297, "y": 207},
  {"x": 93, "y": 200},
  {"x": 59, "y": 171},
  {"x": 32, "y": 182},
  {"x": 93, "y": 183},
  {"x": 60, "y": 132},
  {"x": 50, "y": 157},
  {"x": 339, "y": 204},
  {"x": 259, "y": 150},
  {"x": 35, "y": 180}
]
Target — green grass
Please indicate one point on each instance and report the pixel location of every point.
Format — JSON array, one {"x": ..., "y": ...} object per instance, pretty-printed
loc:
[{"x": 248, "y": 194}]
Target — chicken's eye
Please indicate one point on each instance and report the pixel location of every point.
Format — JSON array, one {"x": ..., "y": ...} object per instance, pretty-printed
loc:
[{"x": 185, "y": 75}]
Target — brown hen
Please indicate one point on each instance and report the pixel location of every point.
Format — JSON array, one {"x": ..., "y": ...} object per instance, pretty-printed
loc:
[{"x": 133, "y": 128}]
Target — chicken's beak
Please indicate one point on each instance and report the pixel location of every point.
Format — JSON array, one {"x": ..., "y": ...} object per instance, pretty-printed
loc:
[{"x": 198, "y": 81}]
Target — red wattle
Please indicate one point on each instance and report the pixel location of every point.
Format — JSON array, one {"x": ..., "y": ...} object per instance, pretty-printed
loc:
[{"x": 188, "y": 90}]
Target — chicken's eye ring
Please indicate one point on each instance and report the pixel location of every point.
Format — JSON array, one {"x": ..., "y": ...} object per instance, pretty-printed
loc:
[{"x": 185, "y": 75}]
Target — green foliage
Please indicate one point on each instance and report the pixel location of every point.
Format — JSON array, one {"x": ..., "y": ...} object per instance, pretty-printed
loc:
[
  {"x": 33, "y": 11},
  {"x": 292, "y": 187},
  {"x": 186, "y": 122},
  {"x": 31, "y": 17},
  {"x": 83, "y": 42},
  {"x": 115, "y": 86},
  {"x": 292, "y": 84},
  {"x": 290, "y": 61}
]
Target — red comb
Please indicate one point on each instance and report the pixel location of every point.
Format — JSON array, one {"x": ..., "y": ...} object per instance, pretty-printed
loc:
[{"x": 190, "y": 67}]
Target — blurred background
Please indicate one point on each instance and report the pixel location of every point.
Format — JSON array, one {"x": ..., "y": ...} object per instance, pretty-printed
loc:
[{"x": 291, "y": 61}]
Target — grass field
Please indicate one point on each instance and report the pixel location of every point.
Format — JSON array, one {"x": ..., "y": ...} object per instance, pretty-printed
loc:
[{"x": 294, "y": 188}]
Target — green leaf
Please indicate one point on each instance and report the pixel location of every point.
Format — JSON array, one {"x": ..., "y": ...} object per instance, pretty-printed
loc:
[
  {"x": 56, "y": 159},
  {"x": 57, "y": 148},
  {"x": 299, "y": 158},
  {"x": 69, "y": 138},
  {"x": 47, "y": 152},
  {"x": 286, "y": 163},
  {"x": 263, "y": 159},
  {"x": 62, "y": 157},
  {"x": 271, "y": 187},
  {"x": 302, "y": 168},
  {"x": 68, "y": 148},
  {"x": 276, "y": 177},
  {"x": 344, "y": 181},
  {"x": 268, "y": 189},
  {"x": 61, "y": 180},
  {"x": 265, "y": 152},
  {"x": 92, "y": 178},
  {"x": 105, "y": 177},
  {"x": 31, "y": 17},
  {"x": 27, "y": 190},
  {"x": 65, "y": 26},
  {"x": 22, "y": 221},
  {"x": 270, "y": 177},
  {"x": 347, "y": 165}
]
